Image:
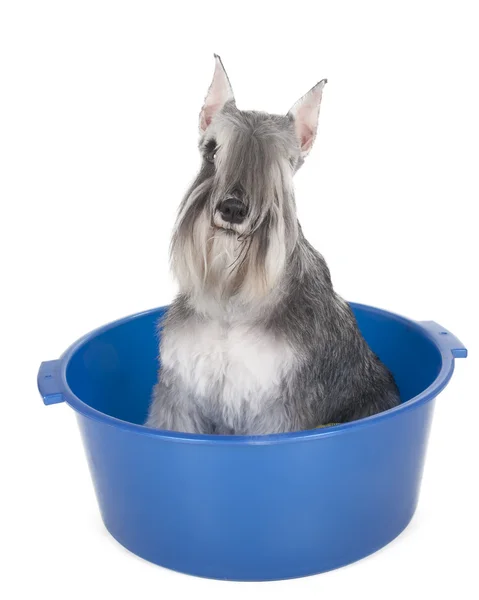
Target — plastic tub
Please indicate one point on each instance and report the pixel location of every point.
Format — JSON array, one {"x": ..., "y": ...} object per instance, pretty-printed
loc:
[{"x": 251, "y": 508}]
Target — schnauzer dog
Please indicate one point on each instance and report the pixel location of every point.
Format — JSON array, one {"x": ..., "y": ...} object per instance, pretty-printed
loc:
[{"x": 257, "y": 341}]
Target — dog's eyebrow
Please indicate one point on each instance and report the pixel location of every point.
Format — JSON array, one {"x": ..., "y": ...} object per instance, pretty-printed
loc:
[{"x": 210, "y": 145}]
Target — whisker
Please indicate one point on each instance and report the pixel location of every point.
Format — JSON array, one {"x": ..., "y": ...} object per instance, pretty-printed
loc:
[{"x": 245, "y": 254}]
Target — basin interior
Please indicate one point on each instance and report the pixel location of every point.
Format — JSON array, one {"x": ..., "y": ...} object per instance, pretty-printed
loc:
[{"x": 114, "y": 371}]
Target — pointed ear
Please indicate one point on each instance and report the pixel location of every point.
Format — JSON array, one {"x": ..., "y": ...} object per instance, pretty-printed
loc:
[
  {"x": 219, "y": 93},
  {"x": 305, "y": 114}
]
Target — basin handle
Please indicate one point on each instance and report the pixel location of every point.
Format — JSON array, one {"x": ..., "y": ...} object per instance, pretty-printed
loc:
[
  {"x": 49, "y": 382},
  {"x": 445, "y": 339}
]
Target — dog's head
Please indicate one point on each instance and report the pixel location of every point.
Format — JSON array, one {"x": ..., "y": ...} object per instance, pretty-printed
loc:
[{"x": 237, "y": 224}]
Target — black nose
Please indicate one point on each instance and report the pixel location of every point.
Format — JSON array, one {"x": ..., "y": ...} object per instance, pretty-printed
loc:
[{"x": 233, "y": 210}]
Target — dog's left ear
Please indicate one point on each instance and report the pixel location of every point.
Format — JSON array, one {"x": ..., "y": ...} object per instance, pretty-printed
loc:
[
  {"x": 305, "y": 114},
  {"x": 219, "y": 94}
]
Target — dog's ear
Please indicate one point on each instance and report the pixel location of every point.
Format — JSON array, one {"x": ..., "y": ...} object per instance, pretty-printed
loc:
[
  {"x": 219, "y": 93},
  {"x": 305, "y": 114}
]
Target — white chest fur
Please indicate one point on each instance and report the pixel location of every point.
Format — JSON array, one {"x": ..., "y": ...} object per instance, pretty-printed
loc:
[{"x": 235, "y": 364}]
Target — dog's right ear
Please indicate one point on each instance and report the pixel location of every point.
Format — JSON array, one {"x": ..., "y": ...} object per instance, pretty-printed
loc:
[{"x": 219, "y": 94}]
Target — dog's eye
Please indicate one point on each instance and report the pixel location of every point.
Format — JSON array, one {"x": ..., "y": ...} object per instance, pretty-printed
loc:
[
  {"x": 210, "y": 151},
  {"x": 210, "y": 156}
]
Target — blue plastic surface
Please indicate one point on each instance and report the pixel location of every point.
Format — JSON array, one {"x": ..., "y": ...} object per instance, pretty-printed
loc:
[{"x": 251, "y": 508}]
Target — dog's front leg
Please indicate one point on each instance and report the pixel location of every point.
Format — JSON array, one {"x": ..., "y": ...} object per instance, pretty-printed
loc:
[
  {"x": 175, "y": 410},
  {"x": 275, "y": 419}
]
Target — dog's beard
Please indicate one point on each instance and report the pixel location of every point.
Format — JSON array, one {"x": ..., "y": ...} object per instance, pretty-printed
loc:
[{"x": 221, "y": 264}]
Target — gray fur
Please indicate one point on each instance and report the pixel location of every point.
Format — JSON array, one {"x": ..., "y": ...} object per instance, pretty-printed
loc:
[{"x": 262, "y": 283}]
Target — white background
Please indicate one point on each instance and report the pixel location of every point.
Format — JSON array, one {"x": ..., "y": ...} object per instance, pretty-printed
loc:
[{"x": 98, "y": 130}]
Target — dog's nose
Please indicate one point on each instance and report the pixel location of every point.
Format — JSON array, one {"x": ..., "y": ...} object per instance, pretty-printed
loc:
[{"x": 233, "y": 210}]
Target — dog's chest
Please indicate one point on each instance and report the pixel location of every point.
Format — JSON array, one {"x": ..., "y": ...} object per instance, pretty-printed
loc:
[{"x": 235, "y": 364}]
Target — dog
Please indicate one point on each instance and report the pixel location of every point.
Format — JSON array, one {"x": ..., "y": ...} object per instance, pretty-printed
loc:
[{"x": 257, "y": 341}]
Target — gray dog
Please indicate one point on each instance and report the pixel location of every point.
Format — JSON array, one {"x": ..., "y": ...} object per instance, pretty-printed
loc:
[{"x": 257, "y": 341}]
